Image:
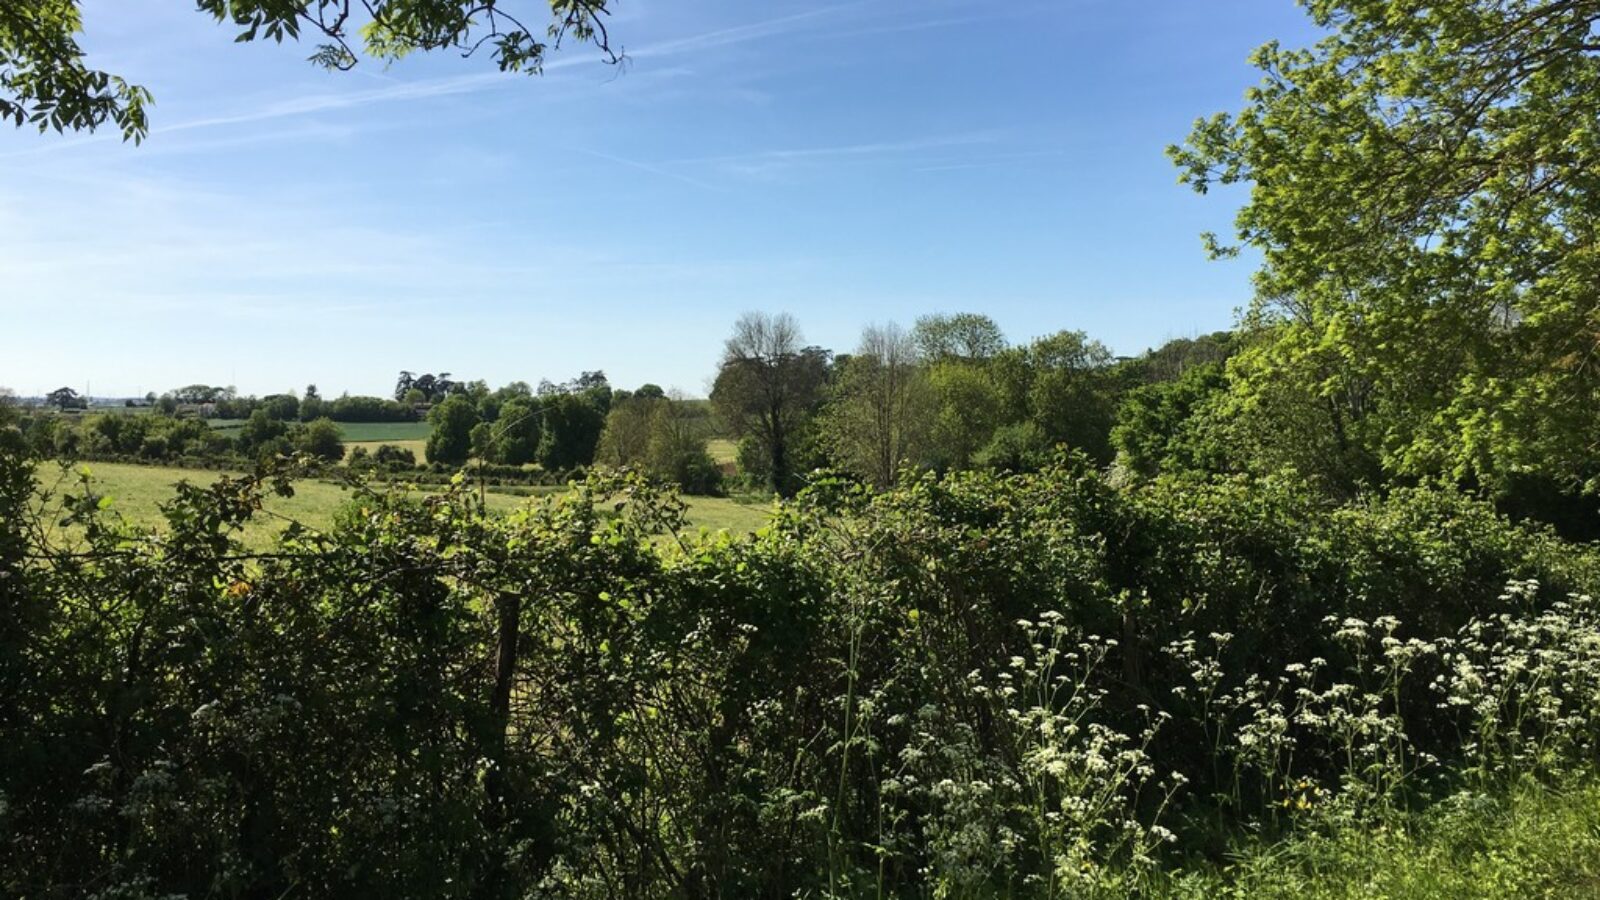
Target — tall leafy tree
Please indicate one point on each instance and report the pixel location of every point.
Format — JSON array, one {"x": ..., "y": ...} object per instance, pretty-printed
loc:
[
  {"x": 1074, "y": 392},
  {"x": 65, "y": 398},
  {"x": 517, "y": 431},
  {"x": 1063, "y": 383},
  {"x": 572, "y": 427},
  {"x": 312, "y": 406},
  {"x": 969, "y": 406},
  {"x": 882, "y": 409},
  {"x": 203, "y": 393},
  {"x": 450, "y": 442},
  {"x": 1165, "y": 425},
  {"x": 1424, "y": 195},
  {"x": 660, "y": 436},
  {"x": 626, "y": 441},
  {"x": 969, "y": 336},
  {"x": 261, "y": 432},
  {"x": 283, "y": 407},
  {"x": 768, "y": 385}
]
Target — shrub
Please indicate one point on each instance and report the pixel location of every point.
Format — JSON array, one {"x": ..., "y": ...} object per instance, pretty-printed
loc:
[
  {"x": 974, "y": 685},
  {"x": 1019, "y": 447},
  {"x": 390, "y": 456},
  {"x": 320, "y": 438}
]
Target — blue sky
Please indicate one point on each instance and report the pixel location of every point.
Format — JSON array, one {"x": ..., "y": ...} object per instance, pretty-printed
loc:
[{"x": 848, "y": 163}]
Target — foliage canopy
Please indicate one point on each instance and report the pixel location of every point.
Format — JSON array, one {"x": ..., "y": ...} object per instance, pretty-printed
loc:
[
  {"x": 46, "y": 81},
  {"x": 1423, "y": 193}
]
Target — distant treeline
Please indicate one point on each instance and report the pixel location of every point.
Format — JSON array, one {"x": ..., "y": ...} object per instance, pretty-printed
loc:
[
  {"x": 157, "y": 438},
  {"x": 516, "y": 434},
  {"x": 223, "y": 403},
  {"x": 951, "y": 393},
  {"x": 572, "y": 425}
]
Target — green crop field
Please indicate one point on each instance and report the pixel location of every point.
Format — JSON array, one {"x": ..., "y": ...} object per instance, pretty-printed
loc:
[
  {"x": 355, "y": 432},
  {"x": 137, "y": 492},
  {"x": 411, "y": 436},
  {"x": 384, "y": 432}
]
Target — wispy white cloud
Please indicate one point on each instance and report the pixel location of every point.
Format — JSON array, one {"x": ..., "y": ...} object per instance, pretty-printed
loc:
[
  {"x": 301, "y": 106},
  {"x": 648, "y": 167},
  {"x": 947, "y": 15},
  {"x": 742, "y": 34},
  {"x": 292, "y": 108},
  {"x": 823, "y": 20},
  {"x": 908, "y": 153},
  {"x": 396, "y": 91},
  {"x": 993, "y": 161},
  {"x": 161, "y": 247},
  {"x": 862, "y": 149},
  {"x": 773, "y": 163},
  {"x": 904, "y": 27}
]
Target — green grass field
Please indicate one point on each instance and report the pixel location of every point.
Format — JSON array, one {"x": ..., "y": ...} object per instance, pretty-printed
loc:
[
  {"x": 418, "y": 448},
  {"x": 724, "y": 451},
  {"x": 137, "y": 492}
]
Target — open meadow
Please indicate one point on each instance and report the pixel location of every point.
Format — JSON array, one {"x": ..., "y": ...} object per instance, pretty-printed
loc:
[{"x": 136, "y": 493}]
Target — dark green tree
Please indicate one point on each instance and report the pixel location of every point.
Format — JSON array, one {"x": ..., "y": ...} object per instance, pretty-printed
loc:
[
  {"x": 1172, "y": 425},
  {"x": 450, "y": 442},
  {"x": 571, "y": 431},
  {"x": 518, "y": 430},
  {"x": 283, "y": 407},
  {"x": 261, "y": 434},
  {"x": 320, "y": 438},
  {"x": 65, "y": 398},
  {"x": 390, "y": 456},
  {"x": 312, "y": 406}
]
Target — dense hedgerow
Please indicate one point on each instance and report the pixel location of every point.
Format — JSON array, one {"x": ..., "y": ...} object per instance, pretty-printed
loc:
[{"x": 968, "y": 686}]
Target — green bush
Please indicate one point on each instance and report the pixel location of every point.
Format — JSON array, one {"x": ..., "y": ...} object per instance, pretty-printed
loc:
[
  {"x": 978, "y": 685},
  {"x": 319, "y": 438},
  {"x": 1018, "y": 447},
  {"x": 393, "y": 457}
]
